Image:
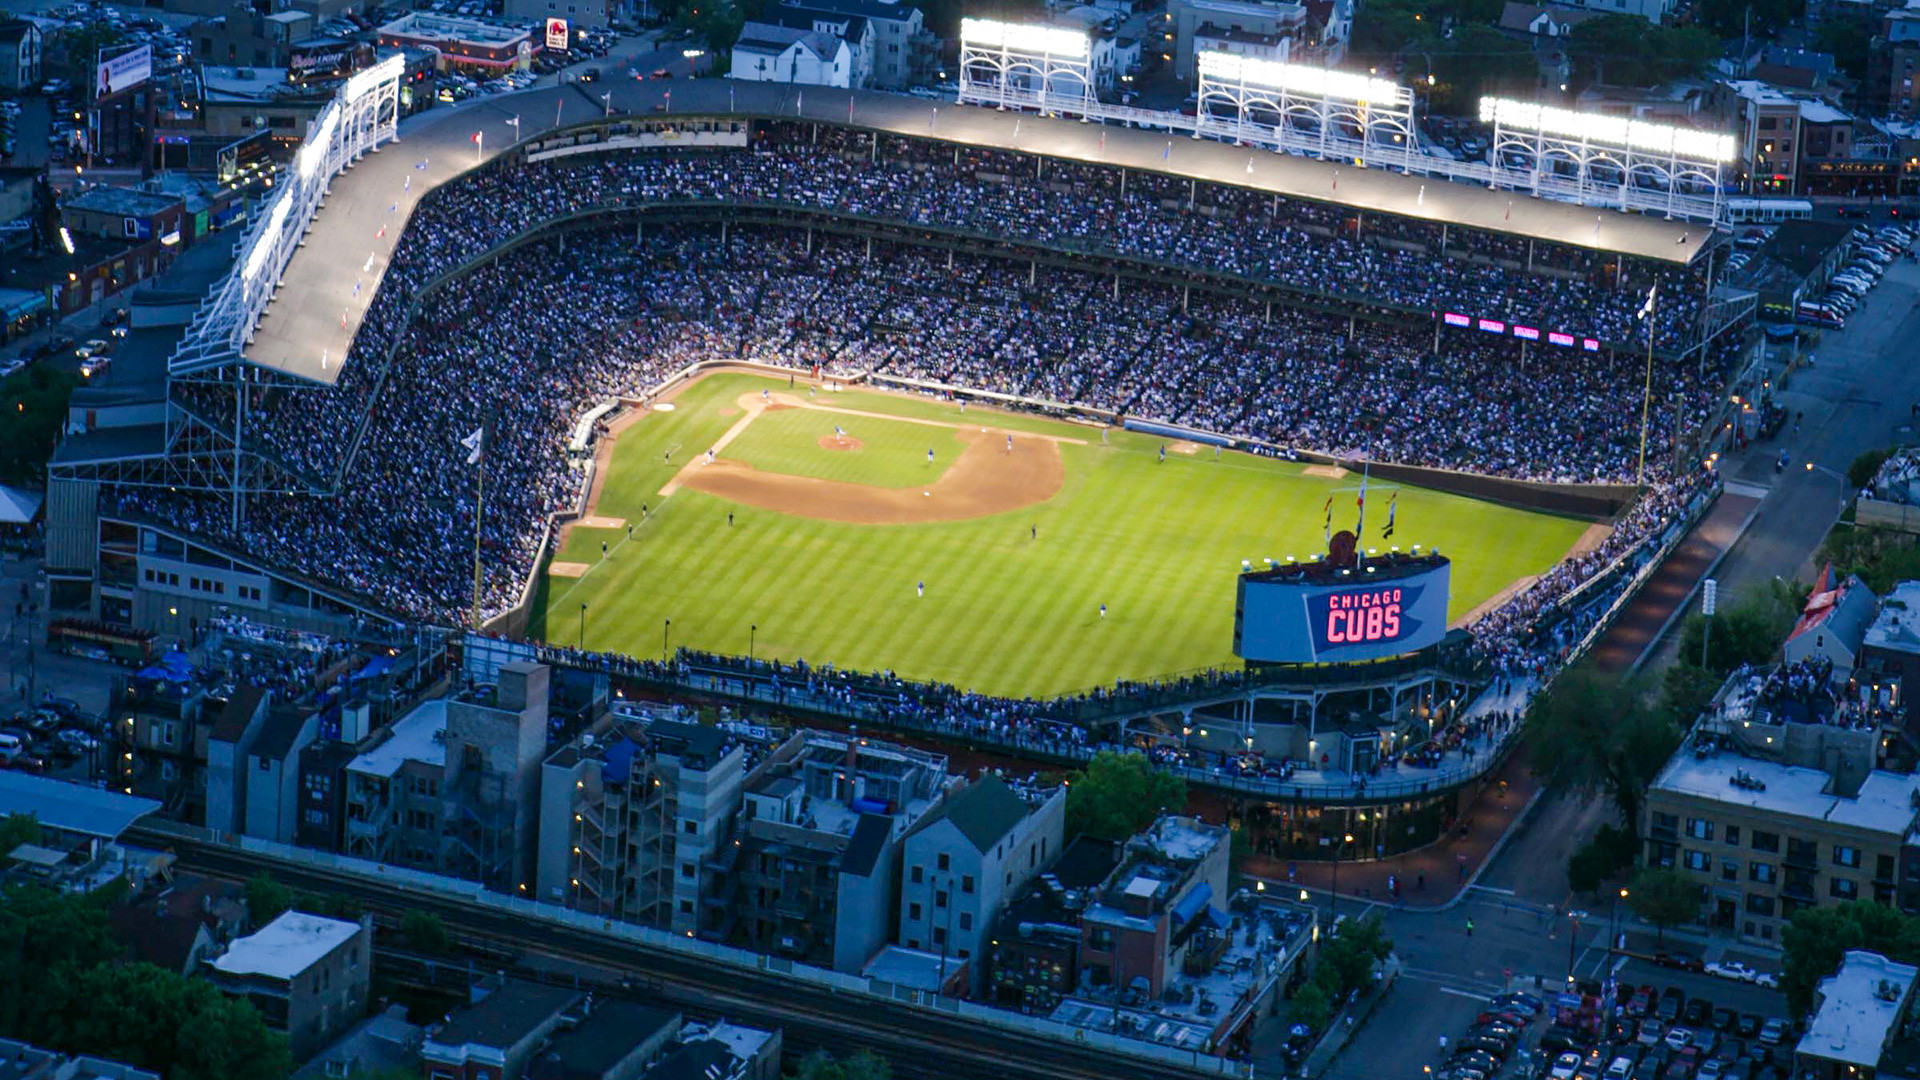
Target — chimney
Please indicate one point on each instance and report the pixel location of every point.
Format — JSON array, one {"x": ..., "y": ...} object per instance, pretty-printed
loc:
[{"x": 354, "y": 720}]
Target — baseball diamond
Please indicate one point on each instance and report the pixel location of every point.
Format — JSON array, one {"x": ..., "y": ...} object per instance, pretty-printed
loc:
[{"x": 820, "y": 518}]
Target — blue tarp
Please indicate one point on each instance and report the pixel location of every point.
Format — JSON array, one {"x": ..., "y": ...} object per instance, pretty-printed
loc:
[
  {"x": 1190, "y": 904},
  {"x": 619, "y": 761},
  {"x": 173, "y": 667},
  {"x": 375, "y": 668},
  {"x": 1173, "y": 432}
]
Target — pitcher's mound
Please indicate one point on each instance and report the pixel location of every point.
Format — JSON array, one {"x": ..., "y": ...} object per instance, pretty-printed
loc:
[
  {"x": 829, "y": 442},
  {"x": 1184, "y": 447}
]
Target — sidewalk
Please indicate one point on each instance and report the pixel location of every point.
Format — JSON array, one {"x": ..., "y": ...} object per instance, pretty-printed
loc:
[{"x": 1447, "y": 866}]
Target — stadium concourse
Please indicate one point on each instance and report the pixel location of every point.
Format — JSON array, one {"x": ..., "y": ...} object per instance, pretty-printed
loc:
[{"x": 540, "y": 334}]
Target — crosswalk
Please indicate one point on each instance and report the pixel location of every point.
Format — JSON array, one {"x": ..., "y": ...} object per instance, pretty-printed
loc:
[{"x": 1456, "y": 984}]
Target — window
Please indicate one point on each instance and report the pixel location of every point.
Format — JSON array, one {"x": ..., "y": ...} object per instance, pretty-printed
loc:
[
  {"x": 1844, "y": 889},
  {"x": 420, "y": 820},
  {"x": 964, "y": 953},
  {"x": 1759, "y": 905},
  {"x": 945, "y": 863},
  {"x": 1665, "y": 824},
  {"x": 1761, "y": 872},
  {"x": 966, "y": 884},
  {"x": 1729, "y": 871},
  {"x": 913, "y": 911},
  {"x": 1699, "y": 828},
  {"x": 1766, "y": 841},
  {"x": 686, "y": 871},
  {"x": 918, "y": 875},
  {"x": 692, "y": 827},
  {"x": 1883, "y": 868},
  {"x": 966, "y": 920},
  {"x": 1697, "y": 860},
  {"x": 940, "y": 898},
  {"x": 686, "y": 907},
  {"x": 939, "y": 935},
  {"x": 1846, "y": 856},
  {"x": 1733, "y": 835}
]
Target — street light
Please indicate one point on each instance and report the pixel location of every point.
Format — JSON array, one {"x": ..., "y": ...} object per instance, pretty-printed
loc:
[
  {"x": 583, "y": 624},
  {"x": 1613, "y": 925},
  {"x": 1333, "y": 908},
  {"x": 753, "y": 629},
  {"x": 665, "y": 631}
]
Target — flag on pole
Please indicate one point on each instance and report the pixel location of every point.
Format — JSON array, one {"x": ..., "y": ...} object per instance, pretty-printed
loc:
[
  {"x": 475, "y": 444},
  {"x": 1391, "y": 503},
  {"x": 1326, "y": 531},
  {"x": 1646, "y": 309}
]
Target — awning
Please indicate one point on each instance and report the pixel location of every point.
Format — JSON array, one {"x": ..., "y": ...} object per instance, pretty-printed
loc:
[{"x": 1190, "y": 904}]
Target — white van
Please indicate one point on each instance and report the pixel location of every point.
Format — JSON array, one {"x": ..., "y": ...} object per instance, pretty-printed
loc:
[{"x": 11, "y": 748}]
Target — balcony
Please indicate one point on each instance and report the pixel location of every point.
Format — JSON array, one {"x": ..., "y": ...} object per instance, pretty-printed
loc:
[
  {"x": 1804, "y": 858},
  {"x": 1799, "y": 887}
]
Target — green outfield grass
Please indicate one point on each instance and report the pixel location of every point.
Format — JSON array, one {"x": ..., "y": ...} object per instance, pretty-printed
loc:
[{"x": 1159, "y": 543}]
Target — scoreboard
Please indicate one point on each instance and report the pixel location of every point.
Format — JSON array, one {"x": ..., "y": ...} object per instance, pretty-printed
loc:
[{"x": 1317, "y": 614}]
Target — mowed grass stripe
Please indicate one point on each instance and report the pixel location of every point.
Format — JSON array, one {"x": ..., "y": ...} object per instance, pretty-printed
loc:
[{"x": 1159, "y": 543}]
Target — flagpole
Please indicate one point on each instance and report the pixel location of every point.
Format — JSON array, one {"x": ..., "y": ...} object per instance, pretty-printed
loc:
[
  {"x": 1646, "y": 393},
  {"x": 479, "y": 511}
]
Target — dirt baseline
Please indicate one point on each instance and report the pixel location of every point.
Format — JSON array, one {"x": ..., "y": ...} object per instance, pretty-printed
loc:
[{"x": 984, "y": 480}]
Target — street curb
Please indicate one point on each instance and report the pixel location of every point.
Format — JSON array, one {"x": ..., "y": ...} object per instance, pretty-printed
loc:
[
  {"x": 1653, "y": 643},
  {"x": 1492, "y": 853}
]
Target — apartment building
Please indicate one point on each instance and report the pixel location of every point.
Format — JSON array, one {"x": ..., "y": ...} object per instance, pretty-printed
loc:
[
  {"x": 1860, "y": 1012},
  {"x": 392, "y": 791},
  {"x": 814, "y": 877},
  {"x": 159, "y": 744},
  {"x": 309, "y": 976},
  {"x": 1033, "y": 957},
  {"x": 1140, "y": 921},
  {"x": 979, "y": 846},
  {"x": 1766, "y": 838},
  {"x": 497, "y": 1035},
  {"x": 632, "y": 815},
  {"x": 1890, "y": 652},
  {"x": 904, "y": 52}
]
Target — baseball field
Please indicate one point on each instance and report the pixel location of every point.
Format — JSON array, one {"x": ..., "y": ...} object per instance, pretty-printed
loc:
[{"x": 822, "y": 529}]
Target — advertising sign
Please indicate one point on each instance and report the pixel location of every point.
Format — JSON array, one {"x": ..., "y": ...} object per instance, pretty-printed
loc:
[
  {"x": 319, "y": 60},
  {"x": 1294, "y": 621},
  {"x": 123, "y": 72},
  {"x": 557, "y": 35}
]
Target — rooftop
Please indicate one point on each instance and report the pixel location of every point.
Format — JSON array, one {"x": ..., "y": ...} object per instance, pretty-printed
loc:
[
  {"x": 1859, "y": 1009},
  {"x": 1845, "y": 610},
  {"x": 423, "y": 26},
  {"x": 742, "y": 1042},
  {"x": 125, "y": 202},
  {"x": 281, "y": 731},
  {"x": 1897, "y": 626},
  {"x": 984, "y": 812},
  {"x": 417, "y": 736},
  {"x": 773, "y": 39},
  {"x": 72, "y": 808},
  {"x": 1884, "y": 805},
  {"x": 286, "y": 946},
  {"x": 506, "y": 1015},
  {"x": 611, "y": 1032},
  {"x": 913, "y": 968}
]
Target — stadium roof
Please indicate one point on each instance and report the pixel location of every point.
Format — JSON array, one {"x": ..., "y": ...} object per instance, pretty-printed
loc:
[
  {"x": 71, "y": 808},
  {"x": 317, "y": 310}
]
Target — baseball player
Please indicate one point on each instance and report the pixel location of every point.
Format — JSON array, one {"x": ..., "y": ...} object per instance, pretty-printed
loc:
[
  {"x": 921, "y": 588},
  {"x": 1009, "y": 444},
  {"x": 1163, "y": 453},
  {"x": 1103, "y": 611},
  {"x": 929, "y": 455}
]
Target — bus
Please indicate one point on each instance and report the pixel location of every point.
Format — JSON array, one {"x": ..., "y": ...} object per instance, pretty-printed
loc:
[
  {"x": 102, "y": 641},
  {"x": 1768, "y": 211}
]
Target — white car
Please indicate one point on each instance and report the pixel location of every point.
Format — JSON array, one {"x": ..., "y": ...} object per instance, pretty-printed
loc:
[
  {"x": 1678, "y": 1038},
  {"x": 91, "y": 348},
  {"x": 1564, "y": 1066}
]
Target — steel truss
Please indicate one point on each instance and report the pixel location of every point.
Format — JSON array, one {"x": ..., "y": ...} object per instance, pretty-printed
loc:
[
  {"x": 1241, "y": 109},
  {"x": 1597, "y": 174},
  {"x": 997, "y": 73},
  {"x": 363, "y": 115}
]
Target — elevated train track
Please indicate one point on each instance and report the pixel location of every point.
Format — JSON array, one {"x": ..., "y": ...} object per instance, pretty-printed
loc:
[{"x": 919, "y": 1042}]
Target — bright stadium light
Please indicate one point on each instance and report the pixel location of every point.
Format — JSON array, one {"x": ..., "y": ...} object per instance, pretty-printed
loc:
[
  {"x": 1297, "y": 78},
  {"x": 320, "y": 137},
  {"x": 1023, "y": 37},
  {"x": 1611, "y": 130},
  {"x": 387, "y": 69},
  {"x": 263, "y": 243}
]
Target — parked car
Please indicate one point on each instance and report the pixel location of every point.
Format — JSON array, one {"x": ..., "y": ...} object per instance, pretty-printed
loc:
[
  {"x": 1773, "y": 1032},
  {"x": 1679, "y": 961},
  {"x": 1749, "y": 1026},
  {"x": 1698, "y": 1012},
  {"x": 1678, "y": 1038},
  {"x": 1651, "y": 1033},
  {"x": 1520, "y": 1003},
  {"x": 1564, "y": 1066},
  {"x": 1671, "y": 1002},
  {"x": 1724, "y": 1019}
]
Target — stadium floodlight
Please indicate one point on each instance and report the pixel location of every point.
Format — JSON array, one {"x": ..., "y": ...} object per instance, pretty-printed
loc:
[
  {"x": 1297, "y": 78},
  {"x": 1620, "y": 131},
  {"x": 263, "y": 243},
  {"x": 318, "y": 139},
  {"x": 1023, "y": 38},
  {"x": 384, "y": 71}
]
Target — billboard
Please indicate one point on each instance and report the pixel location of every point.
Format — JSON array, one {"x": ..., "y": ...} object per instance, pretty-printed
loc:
[
  {"x": 1311, "y": 616},
  {"x": 124, "y": 72},
  {"x": 319, "y": 60},
  {"x": 557, "y": 35}
]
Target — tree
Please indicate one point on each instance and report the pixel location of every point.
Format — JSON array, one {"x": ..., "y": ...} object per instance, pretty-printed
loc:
[
  {"x": 1624, "y": 50},
  {"x": 266, "y": 899},
  {"x": 1346, "y": 960},
  {"x": 1665, "y": 898},
  {"x": 1867, "y": 466},
  {"x": 1593, "y": 732},
  {"x": 35, "y": 402},
  {"x": 1816, "y": 939},
  {"x": 17, "y": 829},
  {"x": 1117, "y": 795},
  {"x": 1749, "y": 633},
  {"x": 1310, "y": 1006},
  {"x": 425, "y": 932},
  {"x": 862, "y": 1065},
  {"x": 1477, "y": 61},
  {"x": 1756, "y": 19},
  {"x": 1599, "y": 860}
]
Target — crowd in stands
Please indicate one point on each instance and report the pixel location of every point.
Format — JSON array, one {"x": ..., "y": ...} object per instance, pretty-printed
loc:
[{"x": 526, "y": 343}]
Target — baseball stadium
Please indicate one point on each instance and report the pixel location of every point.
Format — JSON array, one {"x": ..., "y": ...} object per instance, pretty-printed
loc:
[{"x": 997, "y": 426}]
